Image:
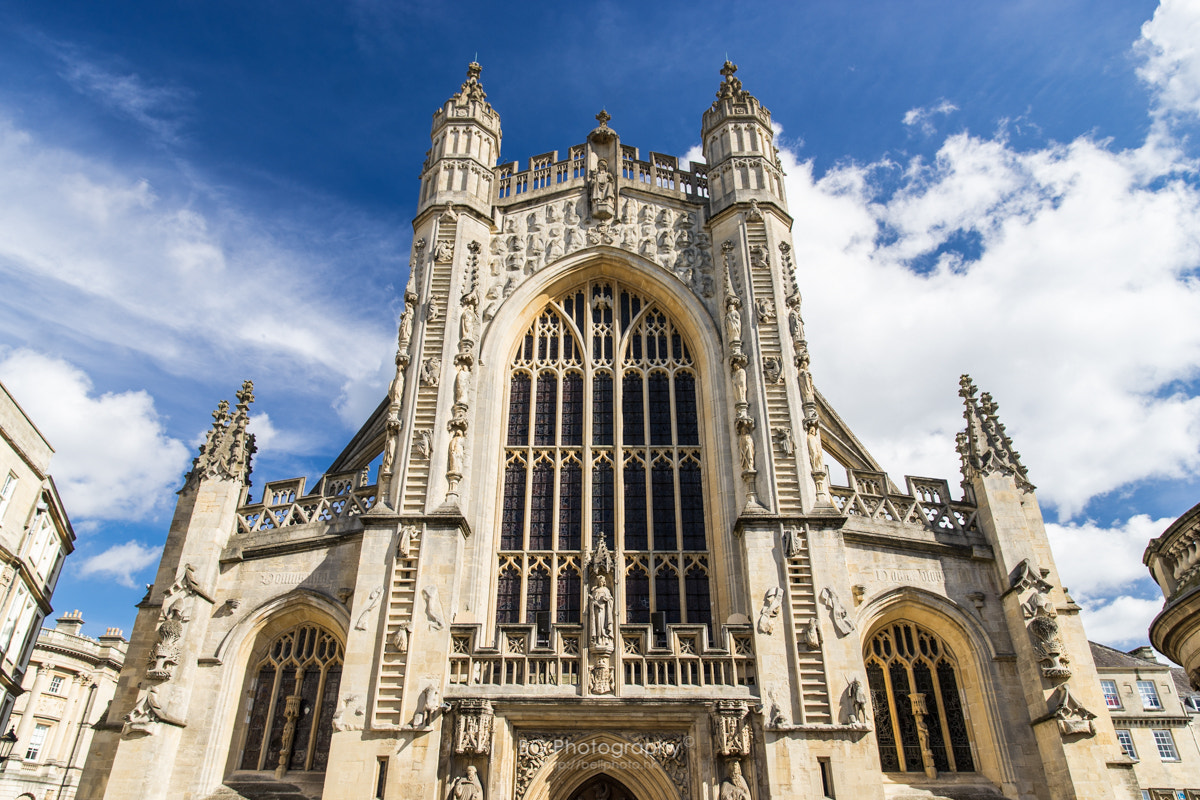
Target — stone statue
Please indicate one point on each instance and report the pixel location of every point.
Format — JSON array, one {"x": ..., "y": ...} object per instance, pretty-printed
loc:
[
  {"x": 812, "y": 634},
  {"x": 837, "y": 612},
  {"x": 404, "y": 547},
  {"x": 349, "y": 717},
  {"x": 443, "y": 252},
  {"x": 431, "y": 369},
  {"x": 734, "y": 787},
  {"x": 745, "y": 428},
  {"x": 816, "y": 456},
  {"x": 770, "y": 610},
  {"x": 570, "y": 214},
  {"x": 795, "y": 321},
  {"x": 456, "y": 456},
  {"x": 462, "y": 385},
  {"x": 602, "y": 191},
  {"x": 433, "y": 608},
  {"x": 858, "y": 701},
  {"x": 764, "y": 308},
  {"x": 428, "y": 705},
  {"x": 777, "y": 717},
  {"x": 733, "y": 319},
  {"x": 406, "y": 328},
  {"x": 602, "y": 615},
  {"x": 783, "y": 439},
  {"x": 468, "y": 319},
  {"x": 738, "y": 378},
  {"x": 372, "y": 601},
  {"x": 467, "y": 788},
  {"x": 400, "y": 638}
]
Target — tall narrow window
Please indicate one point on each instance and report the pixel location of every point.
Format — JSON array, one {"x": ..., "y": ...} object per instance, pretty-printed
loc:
[
  {"x": 36, "y": 741},
  {"x": 603, "y": 444},
  {"x": 913, "y": 680}
]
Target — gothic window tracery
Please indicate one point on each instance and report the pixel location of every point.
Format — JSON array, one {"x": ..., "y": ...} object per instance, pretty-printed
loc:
[
  {"x": 629, "y": 473},
  {"x": 917, "y": 705},
  {"x": 294, "y": 685}
]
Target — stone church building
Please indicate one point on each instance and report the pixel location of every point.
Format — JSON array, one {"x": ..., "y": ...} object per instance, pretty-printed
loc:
[{"x": 588, "y": 547}]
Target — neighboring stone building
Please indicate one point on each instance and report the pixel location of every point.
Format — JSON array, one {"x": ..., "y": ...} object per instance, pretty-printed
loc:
[
  {"x": 602, "y": 556},
  {"x": 69, "y": 684},
  {"x": 35, "y": 537},
  {"x": 1154, "y": 712},
  {"x": 1174, "y": 562}
]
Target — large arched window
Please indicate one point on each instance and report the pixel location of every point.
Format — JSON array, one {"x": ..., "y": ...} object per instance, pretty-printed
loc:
[
  {"x": 294, "y": 687},
  {"x": 919, "y": 721},
  {"x": 603, "y": 443}
]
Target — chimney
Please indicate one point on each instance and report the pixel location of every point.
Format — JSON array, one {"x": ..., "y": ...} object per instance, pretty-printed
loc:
[
  {"x": 1146, "y": 652},
  {"x": 70, "y": 623}
]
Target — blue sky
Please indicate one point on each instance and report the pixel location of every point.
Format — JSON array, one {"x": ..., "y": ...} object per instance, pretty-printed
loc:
[{"x": 197, "y": 193}]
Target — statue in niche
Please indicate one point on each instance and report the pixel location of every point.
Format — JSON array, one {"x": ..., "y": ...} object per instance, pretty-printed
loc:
[
  {"x": 837, "y": 612},
  {"x": 404, "y": 336},
  {"x": 795, "y": 321},
  {"x": 468, "y": 787},
  {"x": 745, "y": 427},
  {"x": 812, "y": 433},
  {"x": 468, "y": 318},
  {"x": 859, "y": 701},
  {"x": 602, "y": 616},
  {"x": 783, "y": 440},
  {"x": 765, "y": 309},
  {"x": 770, "y": 610},
  {"x": 570, "y": 213},
  {"x": 603, "y": 193},
  {"x": 443, "y": 252},
  {"x": 735, "y": 787},
  {"x": 772, "y": 369},
  {"x": 462, "y": 384},
  {"x": 733, "y": 319}
]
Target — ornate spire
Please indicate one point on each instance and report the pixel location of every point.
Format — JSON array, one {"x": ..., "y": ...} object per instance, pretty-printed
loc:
[
  {"x": 227, "y": 448},
  {"x": 472, "y": 90},
  {"x": 731, "y": 87},
  {"x": 984, "y": 446}
]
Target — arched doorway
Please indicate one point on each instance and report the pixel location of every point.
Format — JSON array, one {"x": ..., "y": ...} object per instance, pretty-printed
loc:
[
  {"x": 603, "y": 787},
  {"x": 294, "y": 690}
]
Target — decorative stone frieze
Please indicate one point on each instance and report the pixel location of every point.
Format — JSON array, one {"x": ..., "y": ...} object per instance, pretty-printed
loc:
[
  {"x": 473, "y": 727},
  {"x": 732, "y": 734}
]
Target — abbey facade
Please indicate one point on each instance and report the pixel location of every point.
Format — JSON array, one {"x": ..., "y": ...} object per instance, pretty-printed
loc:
[{"x": 588, "y": 546}]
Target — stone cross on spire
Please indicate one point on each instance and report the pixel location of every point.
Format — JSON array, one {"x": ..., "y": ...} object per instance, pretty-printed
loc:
[
  {"x": 731, "y": 87},
  {"x": 984, "y": 446},
  {"x": 603, "y": 117}
]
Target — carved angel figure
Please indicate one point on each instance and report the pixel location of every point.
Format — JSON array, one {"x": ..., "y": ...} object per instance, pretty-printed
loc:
[{"x": 770, "y": 609}]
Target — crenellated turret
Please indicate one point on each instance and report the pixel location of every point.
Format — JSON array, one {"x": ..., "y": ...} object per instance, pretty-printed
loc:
[
  {"x": 743, "y": 163},
  {"x": 466, "y": 143}
]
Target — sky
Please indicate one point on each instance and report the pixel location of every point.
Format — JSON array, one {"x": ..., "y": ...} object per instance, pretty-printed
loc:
[{"x": 195, "y": 193}]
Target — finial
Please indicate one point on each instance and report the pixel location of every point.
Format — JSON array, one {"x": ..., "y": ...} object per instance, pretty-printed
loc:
[
  {"x": 731, "y": 87},
  {"x": 985, "y": 446},
  {"x": 603, "y": 118}
]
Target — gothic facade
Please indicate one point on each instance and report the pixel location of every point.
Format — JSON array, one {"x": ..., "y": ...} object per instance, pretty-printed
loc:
[{"x": 588, "y": 546}]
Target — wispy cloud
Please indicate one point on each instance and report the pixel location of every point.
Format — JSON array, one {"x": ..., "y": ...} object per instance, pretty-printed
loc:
[
  {"x": 923, "y": 118},
  {"x": 121, "y": 562}
]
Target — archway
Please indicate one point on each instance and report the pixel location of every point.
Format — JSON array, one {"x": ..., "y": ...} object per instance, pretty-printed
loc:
[{"x": 602, "y": 787}]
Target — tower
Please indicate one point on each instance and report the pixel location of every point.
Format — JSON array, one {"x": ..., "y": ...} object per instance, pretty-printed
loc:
[{"x": 603, "y": 554}]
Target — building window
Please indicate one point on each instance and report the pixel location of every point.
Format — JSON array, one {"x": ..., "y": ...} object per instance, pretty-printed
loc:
[
  {"x": 1126, "y": 741},
  {"x": 1149, "y": 694},
  {"x": 913, "y": 678},
  {"x": 1166, "y": 746},
  {"x": 6, "y": 493},
  {"x": 295, "y": 684},
  {"x": 629, "y": 473},
  {"x": 36, "y": 741},
  {"x": 56, "y": 684},
  {"x": 1112, "y": 698}
]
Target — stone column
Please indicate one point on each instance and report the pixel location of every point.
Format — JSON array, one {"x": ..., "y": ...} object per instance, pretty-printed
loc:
[
  {"x": 26, "y": 726},
  {"x": 58, "y": 745}
]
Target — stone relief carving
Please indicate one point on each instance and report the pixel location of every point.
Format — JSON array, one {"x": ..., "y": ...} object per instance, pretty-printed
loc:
[
  {"x": 433, "y": 608},
  {"x": 400, "y": 638},
  {"x": 793, "y": 542},
  {"x": 1073, "y": 718},
  {"x": 731, "y": 728},
  {"x": 769, "y": 612},
  {"x": 467, "y": 787},
  {"x": 758, "y": 257},
  {"x": 443, "y": 252},
  {"x": 429, "y": 705},
  {"x": 404, "y": 546},
  {"x": 473, "y": 727},
  {"x": 350, "y": 714},
  {"x": 601, "y": 679},
  {"x": 372, "y": 603},
  {"x": 165, "y": 654},
  {"x": 772, "y": 369},
  {"x": 812, "y": 634},
  {"x": 431, "y": 370},
  {"x": 147, "y": 712},
  {"x": 782, "y": 436},
  {"x": 734, "y": 787},
  {"x": 1024, "y": 577},
  {"x": 423, "y": 444},
  {"x": 1043, "y": 630},
  {"x": 842, "y": 623},
  {"x": 859, "y": 701},
  {"x": 777, "y": 717}
]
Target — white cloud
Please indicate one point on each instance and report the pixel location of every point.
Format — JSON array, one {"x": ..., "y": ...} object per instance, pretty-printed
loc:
[
  {"x": 1094, "y": 560},
  {"x": 121, "y": 562},
  {"x": 269, "y": 439},
  {"x": 1121, "y": 622},
  {"x": 923, "y": 118},
  {"x": 1170, "y": 47},
  {"x": 142, "y": 270},
  {"x": 113, "y": 459},
  {"x": 1074, "y": 301}
]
